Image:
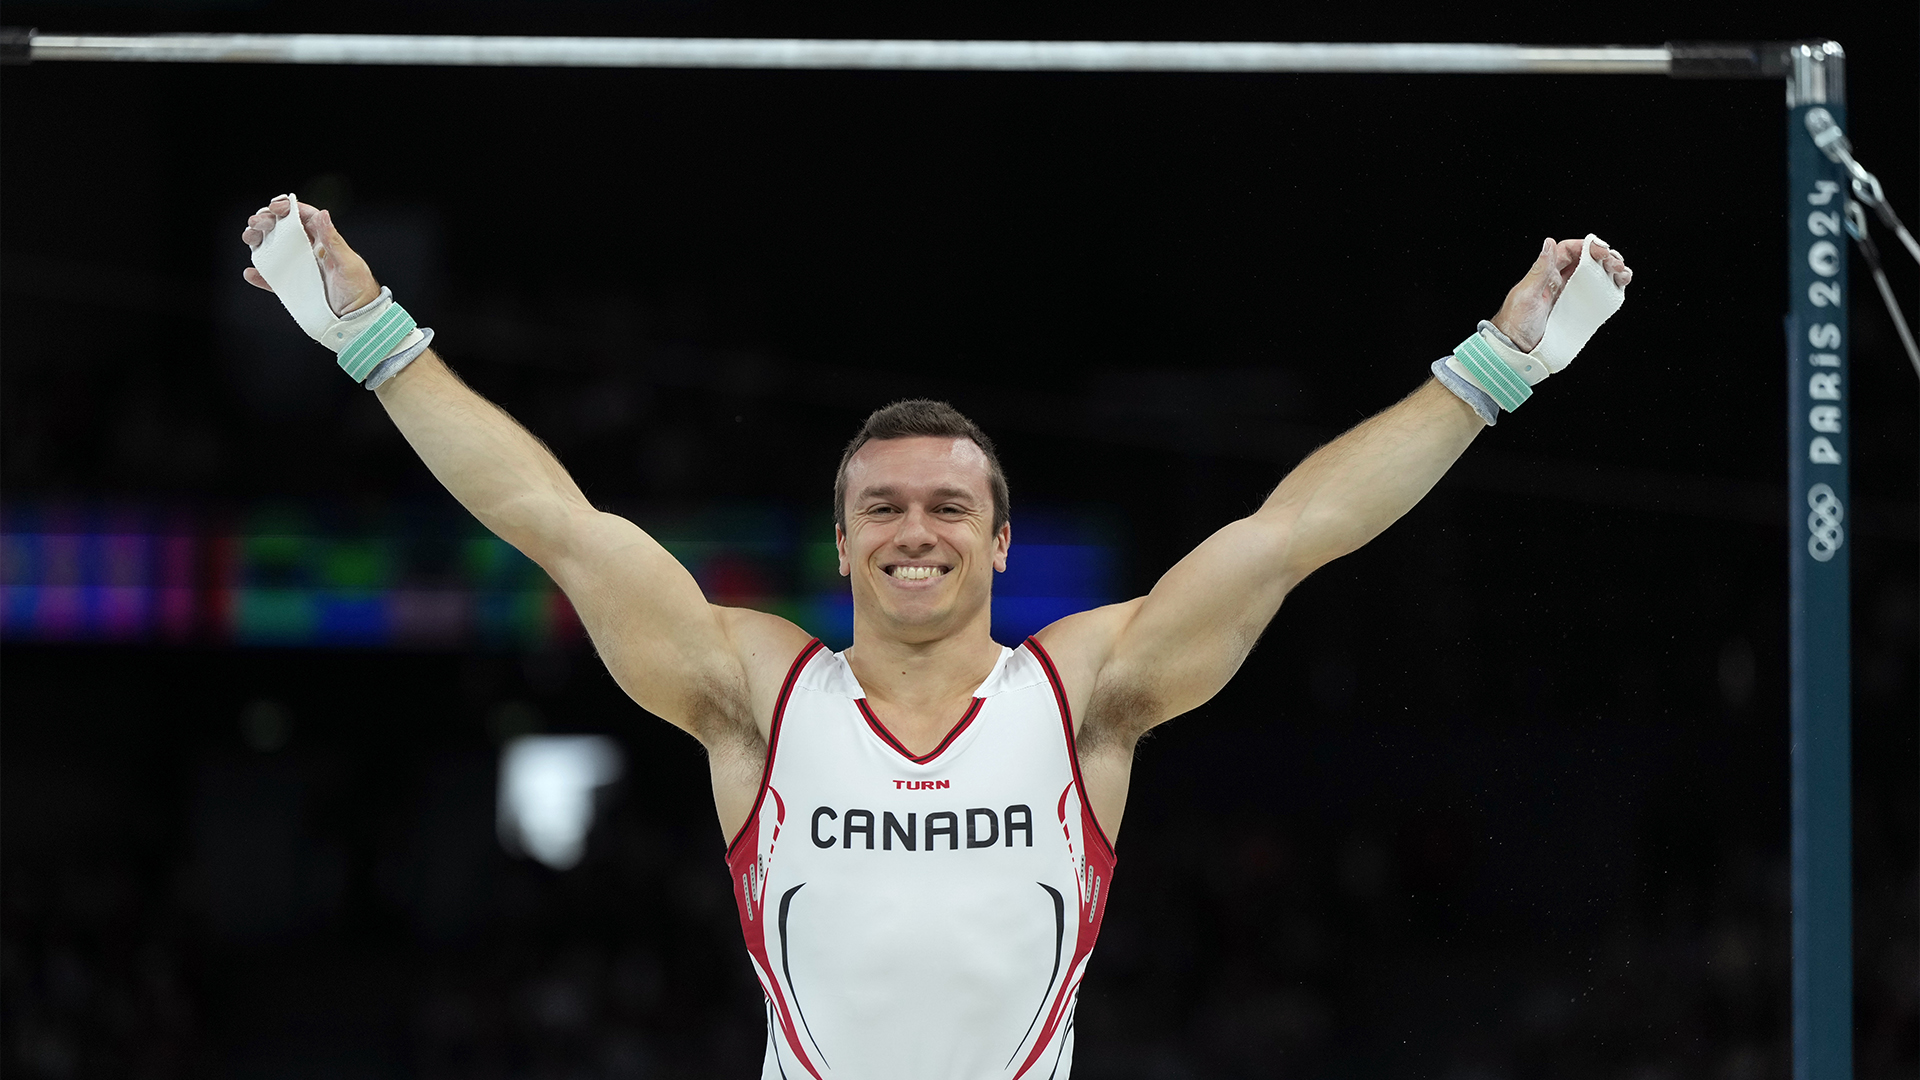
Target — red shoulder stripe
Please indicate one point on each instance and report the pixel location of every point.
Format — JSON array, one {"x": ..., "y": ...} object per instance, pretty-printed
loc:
[
  {"x": 1073, "y": 746},
  {"x": 773, "y": 739}
]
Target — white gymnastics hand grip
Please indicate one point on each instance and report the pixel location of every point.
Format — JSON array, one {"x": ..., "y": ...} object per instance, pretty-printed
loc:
[
  {"x": 363, "y": 337},
  {"x": 1589, "y": 299},
  {"x": 286, "y": 259},
  {"x": 1507, "y": 376}
]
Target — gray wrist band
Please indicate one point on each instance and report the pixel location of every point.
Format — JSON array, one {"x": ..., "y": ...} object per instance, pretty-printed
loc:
[
  {"x": 1474, "y": 396},
  {"x": 391, "y": 366}
]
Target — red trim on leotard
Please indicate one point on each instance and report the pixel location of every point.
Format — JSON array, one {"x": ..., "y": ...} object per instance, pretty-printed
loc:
[
  {"x": 880, "y": 729},
  {"x": 1095, "y": 869},
  {"x": 773, "y": 739},
  {"x": 1073, "y": 745}
]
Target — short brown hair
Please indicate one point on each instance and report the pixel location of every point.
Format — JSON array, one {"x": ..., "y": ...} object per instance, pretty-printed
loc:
[{"x": 911, "y": 419}]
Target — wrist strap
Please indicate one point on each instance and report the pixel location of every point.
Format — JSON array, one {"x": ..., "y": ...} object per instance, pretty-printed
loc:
[
  {"x": 372, "y": 345},
  {"x": 1492, "y": 374}
]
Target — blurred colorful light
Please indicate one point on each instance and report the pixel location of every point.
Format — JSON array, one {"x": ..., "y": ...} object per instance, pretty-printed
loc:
[{"x": 310, "y": 574}]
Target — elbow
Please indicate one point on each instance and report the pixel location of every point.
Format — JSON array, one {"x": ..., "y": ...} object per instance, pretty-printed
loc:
[
  {"x": 1306, "y": 542},
  {"x": 543, "y": 527}
]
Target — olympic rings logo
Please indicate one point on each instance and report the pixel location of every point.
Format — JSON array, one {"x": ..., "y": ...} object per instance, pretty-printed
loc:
[{"x": 1824, "y": 523}]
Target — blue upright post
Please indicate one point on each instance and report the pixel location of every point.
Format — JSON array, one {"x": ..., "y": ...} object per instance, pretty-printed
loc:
[{"x": 1817, "y": 541}]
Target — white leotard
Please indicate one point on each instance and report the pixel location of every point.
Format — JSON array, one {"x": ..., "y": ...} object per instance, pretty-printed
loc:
[{"x": 921, "y": 917}]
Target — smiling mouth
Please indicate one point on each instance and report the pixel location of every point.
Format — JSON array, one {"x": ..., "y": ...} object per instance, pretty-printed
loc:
[{"x": 916, "y": 573}]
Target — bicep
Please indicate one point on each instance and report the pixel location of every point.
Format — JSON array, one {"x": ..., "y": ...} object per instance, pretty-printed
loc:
[
  {"x": 1186, "y": 638},
  {"x": 660, "y": 639}
]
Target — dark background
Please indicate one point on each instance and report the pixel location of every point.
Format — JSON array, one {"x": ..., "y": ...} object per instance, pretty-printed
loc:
[{"x": 1502, "y": 795}]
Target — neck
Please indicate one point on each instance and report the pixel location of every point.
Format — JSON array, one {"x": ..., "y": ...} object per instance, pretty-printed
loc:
[{"x": 921, "y": 673}]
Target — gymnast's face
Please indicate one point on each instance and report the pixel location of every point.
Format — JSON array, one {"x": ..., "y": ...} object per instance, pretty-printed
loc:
[{"x": 919, "y": 543}]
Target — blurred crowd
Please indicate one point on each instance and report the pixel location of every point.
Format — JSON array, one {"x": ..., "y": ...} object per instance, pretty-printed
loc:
[{"x": 266, "y": 892}]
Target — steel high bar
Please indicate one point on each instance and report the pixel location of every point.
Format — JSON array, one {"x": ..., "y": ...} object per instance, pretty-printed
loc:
[{"x": 809, "y": 53}]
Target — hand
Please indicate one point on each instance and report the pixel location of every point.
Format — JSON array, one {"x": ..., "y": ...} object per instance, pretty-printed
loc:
[
  {"x": 1524, "y": 316},
  {"x": 349, "y": 281}
]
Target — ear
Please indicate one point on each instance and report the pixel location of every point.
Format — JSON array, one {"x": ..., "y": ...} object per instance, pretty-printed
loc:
[
  {"x": 840, "y": 545},
  {"x": 1001, "y": 542}
]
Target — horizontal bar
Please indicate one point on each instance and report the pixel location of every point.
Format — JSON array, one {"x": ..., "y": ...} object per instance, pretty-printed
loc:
[
  {"x": 1730, "y": 59},
  {"x": 1228, "y": 56}
]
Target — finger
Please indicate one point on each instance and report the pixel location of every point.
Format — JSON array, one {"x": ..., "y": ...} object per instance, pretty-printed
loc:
[
  {"x": 1567, "y": 255},
  {"x": 1616, "y": 263},
  {"x": 283, "y": 207},
  {"x": 258, "y": 226},
  {"x": 254, "y": 279}
]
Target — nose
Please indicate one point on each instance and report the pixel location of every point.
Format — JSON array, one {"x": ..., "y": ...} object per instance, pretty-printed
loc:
[{"x": 915, "y": 533}]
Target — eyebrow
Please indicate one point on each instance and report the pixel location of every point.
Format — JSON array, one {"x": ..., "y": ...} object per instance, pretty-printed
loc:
[{"x": 893, "y": 493}]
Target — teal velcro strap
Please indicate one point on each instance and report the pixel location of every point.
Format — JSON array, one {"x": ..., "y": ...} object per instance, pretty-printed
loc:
[
  {"x": 1503, "y": 384},
  {"x": 365, "y": 352}
]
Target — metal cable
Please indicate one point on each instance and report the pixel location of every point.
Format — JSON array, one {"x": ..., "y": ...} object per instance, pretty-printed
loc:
[
  {"x": 1857, "y": 228},
  {"x": 1834, "y": 143}
]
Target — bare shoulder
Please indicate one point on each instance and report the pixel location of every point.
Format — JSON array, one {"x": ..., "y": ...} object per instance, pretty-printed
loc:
[
  {"x": 1082, "y": 647},
  {"x": 766, "y": 646},
  {"x": 760, "y": 639}
]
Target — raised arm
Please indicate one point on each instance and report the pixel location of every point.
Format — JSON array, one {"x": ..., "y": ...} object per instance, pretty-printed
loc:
[
  {"x": 677, "y": 656},
  {"x": 666, "y": 646},
  {"x": 1136, "y": 664}
]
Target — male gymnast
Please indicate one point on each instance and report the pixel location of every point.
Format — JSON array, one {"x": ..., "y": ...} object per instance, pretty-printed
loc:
[{"x": 921, "y": 826}]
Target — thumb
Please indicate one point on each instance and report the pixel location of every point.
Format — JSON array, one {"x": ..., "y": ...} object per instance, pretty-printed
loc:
[
  {"x": 350, "y": 283},
  {"x": 332, "y": 248},
  {"x": 308, "y": 214},
  {"x": 1546, "y": 266},
  {"x": 319, "y": 225}
]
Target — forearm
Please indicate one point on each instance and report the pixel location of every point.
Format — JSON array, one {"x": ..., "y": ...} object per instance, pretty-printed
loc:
[
  {"x": 1180, "y": 644},
  {"x": 1349, "y": 491},
  {"x": 496, "y": 469}
]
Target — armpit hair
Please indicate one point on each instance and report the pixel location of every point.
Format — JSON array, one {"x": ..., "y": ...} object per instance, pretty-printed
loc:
[
  {"x": 718, "y": 710},
  {"x": 1117, "y": 716}
]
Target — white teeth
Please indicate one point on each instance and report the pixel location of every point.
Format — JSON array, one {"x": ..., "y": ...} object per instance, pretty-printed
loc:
[{"x": 915, "y": 573}]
